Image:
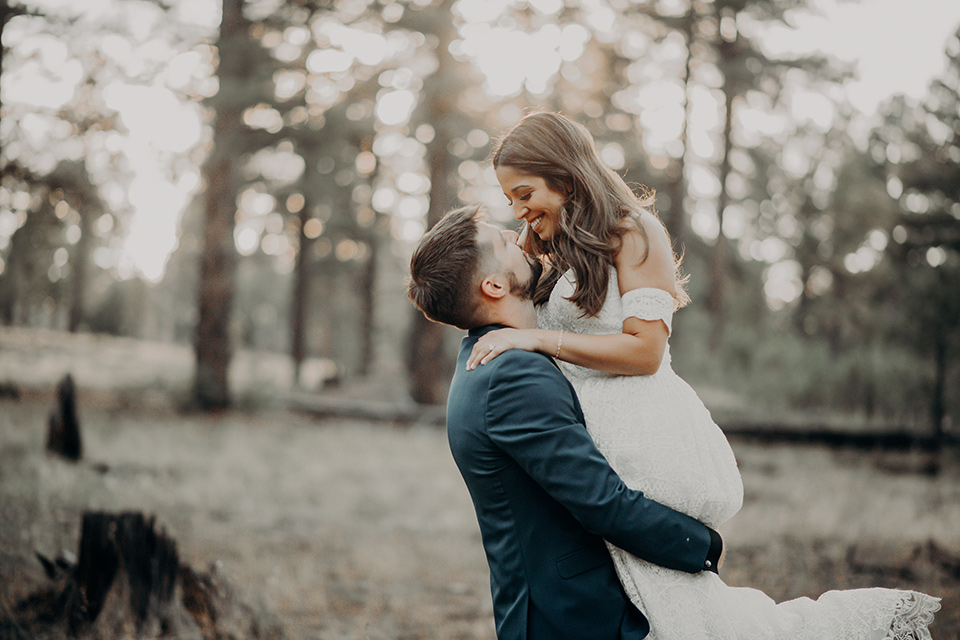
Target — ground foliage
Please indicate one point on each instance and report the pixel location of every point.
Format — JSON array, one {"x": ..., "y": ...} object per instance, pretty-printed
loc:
[{"x": 347, "y": 529}]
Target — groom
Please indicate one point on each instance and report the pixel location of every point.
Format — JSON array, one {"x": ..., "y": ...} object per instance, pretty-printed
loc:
[{"x": 545, "y": 497}]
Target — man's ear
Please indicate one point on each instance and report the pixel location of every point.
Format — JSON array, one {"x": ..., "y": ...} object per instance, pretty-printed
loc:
[{"x": 494, "y": 286}]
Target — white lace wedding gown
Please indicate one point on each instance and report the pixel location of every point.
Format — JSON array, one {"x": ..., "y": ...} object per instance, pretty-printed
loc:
[{"x": 657, "y": 434}]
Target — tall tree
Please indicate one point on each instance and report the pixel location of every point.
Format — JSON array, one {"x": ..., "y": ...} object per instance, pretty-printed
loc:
[
  {"x": 715, "y": 40},
  {"x": 338, "y": 144},
  {"x": 745, "y": 68},
  {"x": 212, "y": 340},
  {"x": 440, "y": 108},
  {"x": 920, "y": 150},
  {"x": 72, "y": 179},
  {"x": 38, "y": 165}
]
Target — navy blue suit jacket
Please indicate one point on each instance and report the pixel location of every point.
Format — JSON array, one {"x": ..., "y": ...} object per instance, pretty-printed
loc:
[{"x": 546, "y": 498}]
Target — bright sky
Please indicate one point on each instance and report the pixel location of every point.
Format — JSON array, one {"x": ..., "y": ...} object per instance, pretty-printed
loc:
[{"x": 897, "y": 45}]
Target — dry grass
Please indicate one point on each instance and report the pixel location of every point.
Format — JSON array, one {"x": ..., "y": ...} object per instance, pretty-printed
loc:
[
  {"x": 342, "y": 530},
  {"x": 350, "y": 530}
]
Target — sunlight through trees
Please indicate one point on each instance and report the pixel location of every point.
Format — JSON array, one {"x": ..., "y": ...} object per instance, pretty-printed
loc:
[{"x": 255, "y": 174}]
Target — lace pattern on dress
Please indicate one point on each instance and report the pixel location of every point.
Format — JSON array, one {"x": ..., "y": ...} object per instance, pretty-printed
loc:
[
  {"x": 913, "y": 617},
  {"x": 649, "y": 304}
]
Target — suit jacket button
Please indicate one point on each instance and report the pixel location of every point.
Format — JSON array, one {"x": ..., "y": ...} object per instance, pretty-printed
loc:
[{"x": 708, "y": 564}]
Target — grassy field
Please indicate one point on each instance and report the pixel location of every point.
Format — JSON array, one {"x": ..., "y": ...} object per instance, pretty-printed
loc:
[{"x": 350, "y": 530}]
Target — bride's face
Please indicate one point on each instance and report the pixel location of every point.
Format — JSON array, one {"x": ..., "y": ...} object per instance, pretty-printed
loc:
[{"x": 533, "y": 201}]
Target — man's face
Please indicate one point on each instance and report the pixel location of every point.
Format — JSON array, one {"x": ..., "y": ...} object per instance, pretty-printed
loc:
[{"x": 523, "y": 271}]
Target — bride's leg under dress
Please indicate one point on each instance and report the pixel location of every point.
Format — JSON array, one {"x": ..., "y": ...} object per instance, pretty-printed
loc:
[{"x": 682, "y": 606}]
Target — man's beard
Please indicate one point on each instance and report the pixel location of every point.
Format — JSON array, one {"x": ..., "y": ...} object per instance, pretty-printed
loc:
[{"x": 526, "y": 290}]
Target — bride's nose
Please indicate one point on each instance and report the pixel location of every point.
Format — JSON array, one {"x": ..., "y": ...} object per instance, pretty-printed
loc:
[{"x": 519, "y": 211}]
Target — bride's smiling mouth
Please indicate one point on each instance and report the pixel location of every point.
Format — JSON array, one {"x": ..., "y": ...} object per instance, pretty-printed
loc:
[{"x": 536, "y": 222}]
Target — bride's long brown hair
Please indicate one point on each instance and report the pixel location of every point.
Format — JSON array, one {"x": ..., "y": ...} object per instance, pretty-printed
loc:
[{"x": 562, "y": 153}]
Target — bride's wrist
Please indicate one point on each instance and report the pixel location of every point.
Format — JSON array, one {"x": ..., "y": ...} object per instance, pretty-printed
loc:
[{"x": 547, "y": 341}]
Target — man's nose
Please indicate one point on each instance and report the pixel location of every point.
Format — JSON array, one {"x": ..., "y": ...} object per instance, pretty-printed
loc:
[{"x": 511, "y": 236}]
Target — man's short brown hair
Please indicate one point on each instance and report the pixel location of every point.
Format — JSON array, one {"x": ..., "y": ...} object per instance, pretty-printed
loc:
[{"x": 443, "y": 270}]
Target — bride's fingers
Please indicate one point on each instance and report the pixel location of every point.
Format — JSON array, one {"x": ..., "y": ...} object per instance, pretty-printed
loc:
[
  {"x": 487, "y": 348},
  {"x": 492, "y": 352},
  {"x": 479, "y": 350},
  {"x": 482, "y": 354}
]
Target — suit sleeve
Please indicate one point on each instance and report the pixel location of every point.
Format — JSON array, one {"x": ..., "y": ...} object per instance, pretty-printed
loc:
[{"x": 532, "y": 416}]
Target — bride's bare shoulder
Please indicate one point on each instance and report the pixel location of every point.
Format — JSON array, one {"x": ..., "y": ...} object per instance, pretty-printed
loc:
[{"x": 644, "y": 239}]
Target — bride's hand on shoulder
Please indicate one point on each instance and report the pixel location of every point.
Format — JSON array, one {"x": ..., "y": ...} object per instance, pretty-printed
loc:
[{"x": 496, "y": 342}]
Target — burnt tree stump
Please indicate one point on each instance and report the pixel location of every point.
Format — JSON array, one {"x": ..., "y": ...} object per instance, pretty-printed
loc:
[
  {"x": 63, "y": 434},
  {"x": 9, "y": 390},
  {"x": 125, "y": 578},
  {"x": 128, "y": 583}
]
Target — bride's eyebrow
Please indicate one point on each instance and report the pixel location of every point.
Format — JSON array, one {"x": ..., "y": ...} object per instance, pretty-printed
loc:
[{"x": 515, "y": 189}]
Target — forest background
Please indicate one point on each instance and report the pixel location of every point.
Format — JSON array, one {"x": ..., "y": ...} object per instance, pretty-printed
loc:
[
  {"x": 206, "y": 214},
  {"x": 254, "y": 175}
]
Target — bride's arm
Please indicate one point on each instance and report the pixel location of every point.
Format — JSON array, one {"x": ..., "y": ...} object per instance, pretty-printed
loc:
[{"x": 637, "y": 350}]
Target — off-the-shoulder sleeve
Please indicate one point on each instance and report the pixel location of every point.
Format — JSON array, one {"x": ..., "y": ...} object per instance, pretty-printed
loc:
[{"x": 648, "y": 303}]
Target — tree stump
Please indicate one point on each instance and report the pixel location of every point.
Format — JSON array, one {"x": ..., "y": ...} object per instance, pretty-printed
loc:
[
  {"x": 63, "y": 434},
  {"x": 125, "y": 579},
  {"x": 9, "y": 390},
  {"x": 128, "y": 583}
]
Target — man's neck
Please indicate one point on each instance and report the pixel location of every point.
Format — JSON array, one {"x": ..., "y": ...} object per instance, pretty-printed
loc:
[{"x": 513, "y": 312}]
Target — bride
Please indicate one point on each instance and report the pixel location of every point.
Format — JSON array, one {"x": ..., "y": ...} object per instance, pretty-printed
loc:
[{"x": 606, "y": 301}]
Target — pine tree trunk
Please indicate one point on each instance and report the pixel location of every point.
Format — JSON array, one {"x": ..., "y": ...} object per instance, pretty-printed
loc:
[
  {"x": 426, "y": 358},
  {"x": 426, "y": 362},
  {"x": 301, "y": 286},
  {"x": 368, "y": 283},
  {"x": 79, "y": 265},
  {"x": 676, "y": 220},
  {"x": 938, "y": 411},
  {"x": 212, "y": 344},
  {"x": 715, "y": 299}
]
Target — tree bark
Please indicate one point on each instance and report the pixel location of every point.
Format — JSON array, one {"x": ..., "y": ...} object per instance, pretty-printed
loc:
[
  {"x": 81, "y": 260},
  {"x": 299, "y": 306},
  {"x": 715, "y": 299},
  {"x": 938, "y": 408},
  {"x": 368, "y": 283},
  {"x": 425, "y": 359},
  {"x": 212, "y": 342},
  {"x": 676, "y": 220}
]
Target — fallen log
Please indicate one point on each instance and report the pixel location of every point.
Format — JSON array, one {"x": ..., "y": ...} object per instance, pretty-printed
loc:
[{"x": 322, "y": 406}]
